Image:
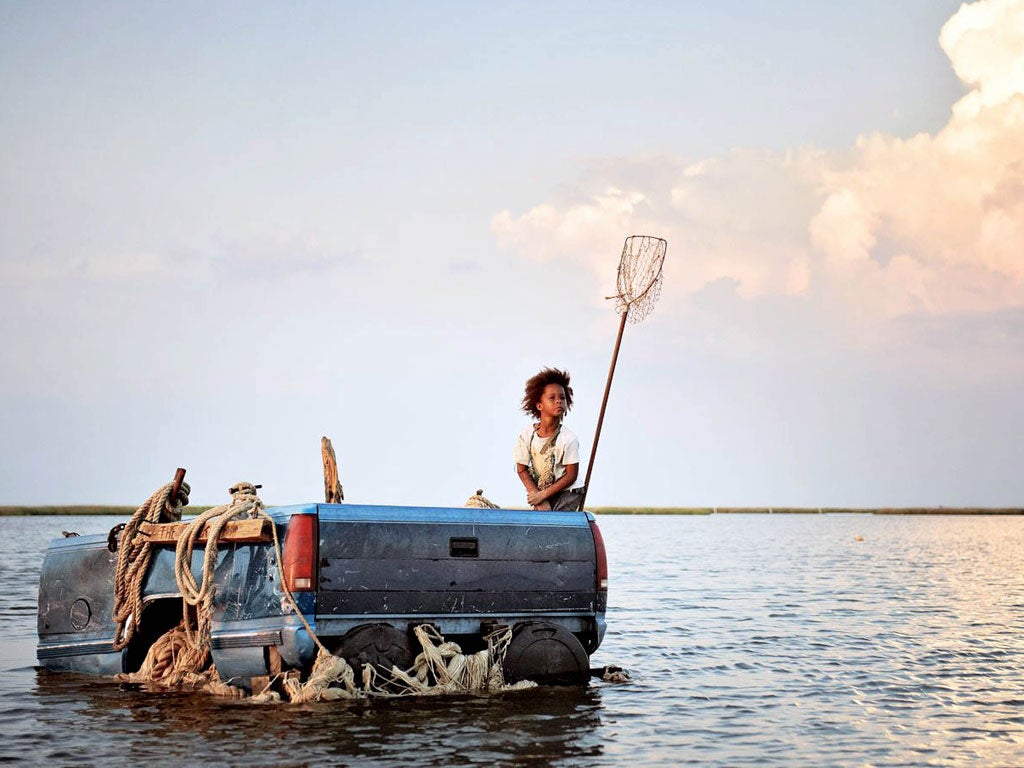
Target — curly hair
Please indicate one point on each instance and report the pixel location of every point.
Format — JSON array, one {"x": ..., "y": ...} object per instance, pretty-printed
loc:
[{"x": 535, "y": 389}]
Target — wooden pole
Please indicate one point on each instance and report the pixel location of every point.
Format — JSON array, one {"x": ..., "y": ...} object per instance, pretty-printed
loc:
[
  {"x": 604, "y": 404},
  {"x": 179, "y": 478},
  {"x": 170, "y": 512},
  {"x": 333, "y": 492}
]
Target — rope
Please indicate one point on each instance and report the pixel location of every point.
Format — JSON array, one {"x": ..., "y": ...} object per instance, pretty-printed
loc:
[
  {"x": 327, "y": 669},
  {"x": 442, "y": 668},
  {"x": 173, "y": 660},
  {"x": 479, "y": 501},
  {"x": 180, "y": 655},
  {"x": 199, "y": 595},
  {"x": 612, "y": 674},
  {"x": 133, "y": 558}
]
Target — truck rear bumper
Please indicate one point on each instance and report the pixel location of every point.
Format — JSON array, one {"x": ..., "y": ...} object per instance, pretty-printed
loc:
[
  {"x": 463, "y": 624},
  {"x": 72, "y": 654},
  {"x": 238, "y": 651}
]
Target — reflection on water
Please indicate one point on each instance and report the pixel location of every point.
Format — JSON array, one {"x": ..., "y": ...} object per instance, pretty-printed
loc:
[
  {"x": 557, "y": 726},
  {"x": 752, "y": 639}
]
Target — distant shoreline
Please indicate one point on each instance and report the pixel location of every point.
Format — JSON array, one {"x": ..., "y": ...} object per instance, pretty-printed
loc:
[
  {"x": 807, "y": 510},
  {"x": 96, "y": 509},
  {"x": 28, "y": 511}
]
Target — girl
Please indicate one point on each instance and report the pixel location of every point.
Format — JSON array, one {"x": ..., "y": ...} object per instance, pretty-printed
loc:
[{"x": 547, "y": 454}]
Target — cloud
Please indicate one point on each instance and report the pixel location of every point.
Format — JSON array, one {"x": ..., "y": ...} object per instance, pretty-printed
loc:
[
  {"x": 44, "y": 265},
  {"x": 580, "y": 229},
  {"x": 268, "y": 257},
  {"x": 275, "y": 256},
  {"x": 891, "y": 227},
  {"x": 984, "y": 43}
]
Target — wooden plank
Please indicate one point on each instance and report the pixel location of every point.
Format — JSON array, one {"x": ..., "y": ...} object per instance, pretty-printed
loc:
[
  {"x": 274, "y": 660},
  {"x": 254, "y": 531}
]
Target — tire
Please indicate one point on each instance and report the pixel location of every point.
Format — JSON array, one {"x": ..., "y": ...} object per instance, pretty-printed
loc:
[
  {"x": 547, "y": 654},
  {"x": 381, "y": 645}
]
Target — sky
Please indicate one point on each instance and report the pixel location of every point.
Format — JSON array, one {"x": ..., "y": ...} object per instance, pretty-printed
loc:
[{"x": 227, "y": 229}]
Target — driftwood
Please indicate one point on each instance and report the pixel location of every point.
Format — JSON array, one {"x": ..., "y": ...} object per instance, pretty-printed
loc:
[{"x": 333, "y": 492}]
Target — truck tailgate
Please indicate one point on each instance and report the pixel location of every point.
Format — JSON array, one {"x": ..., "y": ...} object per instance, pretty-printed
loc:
[{"x": 447, "y": 561}]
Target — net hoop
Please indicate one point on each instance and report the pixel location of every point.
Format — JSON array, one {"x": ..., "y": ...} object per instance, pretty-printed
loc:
[{"x": 640, "y": 274}]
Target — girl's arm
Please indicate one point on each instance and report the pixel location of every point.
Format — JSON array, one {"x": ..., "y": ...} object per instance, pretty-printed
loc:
[
  {"x": 525, "y": 478},
  {"x": 532, "y": 491},
  {"x": 536, "y": 497}
]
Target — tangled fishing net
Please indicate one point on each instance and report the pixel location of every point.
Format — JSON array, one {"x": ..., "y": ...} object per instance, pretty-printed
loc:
[{"x": 639, "y": 278}]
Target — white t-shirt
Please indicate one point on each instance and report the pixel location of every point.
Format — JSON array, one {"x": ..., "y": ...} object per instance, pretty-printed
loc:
[{"x": 566, "y": 450}]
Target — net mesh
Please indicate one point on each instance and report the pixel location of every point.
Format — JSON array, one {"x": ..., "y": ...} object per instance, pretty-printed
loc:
[{"x": 639, "y": 279}]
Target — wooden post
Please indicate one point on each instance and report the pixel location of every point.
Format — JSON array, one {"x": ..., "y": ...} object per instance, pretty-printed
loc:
[
  {"x": 333, "y": 492},
  {"x": 169, "y": 512},
  {"x": 604, "y": 404},
  {"x": 179, "y": 478},
  {"x": 274, "y": 662}
]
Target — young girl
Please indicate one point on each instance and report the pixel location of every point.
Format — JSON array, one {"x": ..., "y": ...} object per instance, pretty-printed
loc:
[{"x": 547, "y": 454}]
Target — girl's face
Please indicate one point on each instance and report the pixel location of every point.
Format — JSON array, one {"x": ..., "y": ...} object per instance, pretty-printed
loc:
[{"x": 552, "y": 401}]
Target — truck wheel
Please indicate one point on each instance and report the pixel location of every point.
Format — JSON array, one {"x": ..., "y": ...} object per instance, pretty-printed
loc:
[
  {"x": 547, "y": 654},
  {"x": 379, "y": 644}
]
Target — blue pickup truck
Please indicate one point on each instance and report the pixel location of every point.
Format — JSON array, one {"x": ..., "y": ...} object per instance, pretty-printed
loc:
[{"x": 363, "y": 576}]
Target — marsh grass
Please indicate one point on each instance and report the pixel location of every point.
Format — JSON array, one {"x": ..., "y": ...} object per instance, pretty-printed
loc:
[
  {"x": 13, "y": 511},
  {"x": 807, "y": 510},
  {"x": 26, "y": 511}
]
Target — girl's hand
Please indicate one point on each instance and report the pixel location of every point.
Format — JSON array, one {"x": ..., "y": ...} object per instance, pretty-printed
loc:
[{"x": 534, "y": 498}]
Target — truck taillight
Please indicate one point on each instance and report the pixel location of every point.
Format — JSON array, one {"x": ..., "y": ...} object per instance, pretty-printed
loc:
[
  {"x": 298, "y": 560},
  {"x": 601, "y": 557}
]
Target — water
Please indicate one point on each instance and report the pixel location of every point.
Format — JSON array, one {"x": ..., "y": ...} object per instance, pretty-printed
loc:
[{"x": 753, "y": 639}]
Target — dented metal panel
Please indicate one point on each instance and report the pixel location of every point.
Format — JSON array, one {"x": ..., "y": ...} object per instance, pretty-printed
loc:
[{"x": 438, "y": 562}]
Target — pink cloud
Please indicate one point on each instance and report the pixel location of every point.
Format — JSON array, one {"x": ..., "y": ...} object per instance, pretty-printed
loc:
[{"x": 891, "y": 227}]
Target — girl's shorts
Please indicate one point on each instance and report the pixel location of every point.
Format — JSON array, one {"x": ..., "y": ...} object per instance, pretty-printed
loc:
[{"x": 568, "y": 500}]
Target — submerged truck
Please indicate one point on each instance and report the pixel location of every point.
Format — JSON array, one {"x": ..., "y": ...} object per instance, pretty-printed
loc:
[{"x": 363, "y": 577}]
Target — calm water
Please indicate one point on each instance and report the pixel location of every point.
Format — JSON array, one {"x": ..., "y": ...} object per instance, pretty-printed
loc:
[{"x": 753, "y": 639}]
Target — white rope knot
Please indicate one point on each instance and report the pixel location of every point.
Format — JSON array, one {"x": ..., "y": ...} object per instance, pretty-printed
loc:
[
  {"x": 244, "y": 494},
  {"x": 480, "y": 501}
]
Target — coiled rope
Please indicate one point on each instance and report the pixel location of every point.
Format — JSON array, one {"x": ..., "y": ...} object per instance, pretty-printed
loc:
[
  {"x": 181, "y": 655},
  {"x": 172, "y": 660},
  {"x": 134, "y": 554},
  {"x": 199, "y": 595}
]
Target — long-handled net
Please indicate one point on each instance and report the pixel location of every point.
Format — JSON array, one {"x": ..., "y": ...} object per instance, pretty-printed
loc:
[
  {"x": 639, "y": 286},
  {"x": 639, "y": 278}
]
